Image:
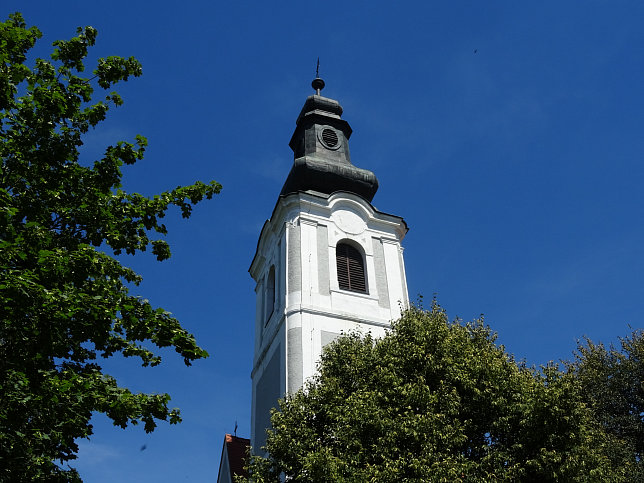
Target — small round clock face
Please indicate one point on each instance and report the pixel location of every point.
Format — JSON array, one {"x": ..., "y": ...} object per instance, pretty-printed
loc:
[{"x": 349, "y": 222}]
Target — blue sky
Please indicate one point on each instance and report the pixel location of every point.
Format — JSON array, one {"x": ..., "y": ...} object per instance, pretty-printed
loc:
[{"x": 507, "y": 134}]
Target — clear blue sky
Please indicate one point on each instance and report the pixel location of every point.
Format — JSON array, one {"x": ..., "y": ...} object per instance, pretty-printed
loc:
[{"x": 509, "y": 135}]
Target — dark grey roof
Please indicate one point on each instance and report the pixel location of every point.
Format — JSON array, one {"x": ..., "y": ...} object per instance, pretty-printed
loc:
[{"x": 320, "y": 145}]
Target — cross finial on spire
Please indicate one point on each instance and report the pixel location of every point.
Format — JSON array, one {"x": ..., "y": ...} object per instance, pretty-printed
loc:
[{"x": 317, "y": 84}]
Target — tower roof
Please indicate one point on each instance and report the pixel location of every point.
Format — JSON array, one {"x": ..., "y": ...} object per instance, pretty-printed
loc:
[{"x": 320, "y": 145}]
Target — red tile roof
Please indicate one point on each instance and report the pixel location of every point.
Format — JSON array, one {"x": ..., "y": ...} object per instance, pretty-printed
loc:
[{"x": 237, "y": 449}]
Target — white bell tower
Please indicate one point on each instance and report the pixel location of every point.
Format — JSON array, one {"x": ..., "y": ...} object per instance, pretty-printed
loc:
[{"x": 327, "y": 261}]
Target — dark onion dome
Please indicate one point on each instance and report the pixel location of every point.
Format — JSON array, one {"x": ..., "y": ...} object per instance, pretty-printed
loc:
[{"x": 320, "y": 145}]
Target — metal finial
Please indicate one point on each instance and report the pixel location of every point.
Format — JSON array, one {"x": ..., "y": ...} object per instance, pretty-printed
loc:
[{"x": 317, "y": 84}]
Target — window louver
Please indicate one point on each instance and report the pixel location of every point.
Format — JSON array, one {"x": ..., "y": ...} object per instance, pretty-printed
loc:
[
  {"x": 270, "y": 293},
  {"x": 350, "y": 265},
  {"x": 330, "y": 137}
]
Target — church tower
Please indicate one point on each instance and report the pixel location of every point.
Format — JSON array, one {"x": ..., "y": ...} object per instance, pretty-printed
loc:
[{"x": 327, "y": 262}]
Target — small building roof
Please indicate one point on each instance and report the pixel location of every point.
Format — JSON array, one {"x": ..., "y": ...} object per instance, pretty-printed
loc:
[{"x": 233, "y": 458}]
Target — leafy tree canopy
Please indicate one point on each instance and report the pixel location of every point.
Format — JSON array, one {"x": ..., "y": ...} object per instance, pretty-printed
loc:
[
  {"x": 63, "y": 301},
  {"x": 613, "y": 387},
  {"x": 433, "y": 401}
]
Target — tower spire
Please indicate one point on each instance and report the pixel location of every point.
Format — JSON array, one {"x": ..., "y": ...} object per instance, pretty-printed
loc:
[
  {"x": 320, "y": 146},
  {"x": 317, "y": 84}
]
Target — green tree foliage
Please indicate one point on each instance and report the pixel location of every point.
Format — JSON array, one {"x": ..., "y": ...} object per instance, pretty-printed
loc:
[
  {"x": 63, "y": 302},
  {"x": 432, "y": 401},
  {"x": 613, "y": 387}
]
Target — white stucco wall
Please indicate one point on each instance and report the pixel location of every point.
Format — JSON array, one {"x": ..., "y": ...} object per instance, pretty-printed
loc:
[{"x": 310, "y": 308}]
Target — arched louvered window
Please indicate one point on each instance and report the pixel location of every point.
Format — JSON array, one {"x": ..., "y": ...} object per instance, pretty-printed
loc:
[
  {"x": 351, "y": 273},
  {"x": 270, "y": 293}
]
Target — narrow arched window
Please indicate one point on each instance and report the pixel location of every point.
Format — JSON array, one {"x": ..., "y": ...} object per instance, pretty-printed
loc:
[
  {"x": 351, "y": 273},
  {"x": 270, "y": 293}
]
